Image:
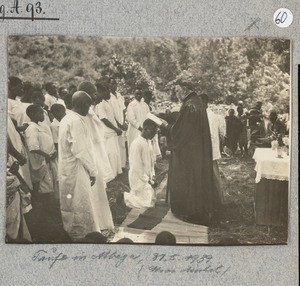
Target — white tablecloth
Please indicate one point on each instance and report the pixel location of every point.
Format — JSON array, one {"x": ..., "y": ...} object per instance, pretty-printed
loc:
[{"x": 269, "y": 166}]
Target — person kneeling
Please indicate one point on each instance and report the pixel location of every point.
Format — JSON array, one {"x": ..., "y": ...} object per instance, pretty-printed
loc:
[{"x": 141, "y": 172}]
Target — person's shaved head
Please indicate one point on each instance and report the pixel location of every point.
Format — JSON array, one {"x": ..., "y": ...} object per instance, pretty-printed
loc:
[
  {"x": 81, "y": 102},
  {"x": 89, "y": 88}
]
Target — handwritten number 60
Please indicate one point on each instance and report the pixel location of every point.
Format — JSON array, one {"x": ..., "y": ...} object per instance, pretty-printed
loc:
[{"x": 282, "y": 19}]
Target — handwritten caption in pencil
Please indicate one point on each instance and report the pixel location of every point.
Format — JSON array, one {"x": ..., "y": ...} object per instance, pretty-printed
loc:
[
  {"x": 159, "y": 263},
  {"x": 21, "y": 10}
]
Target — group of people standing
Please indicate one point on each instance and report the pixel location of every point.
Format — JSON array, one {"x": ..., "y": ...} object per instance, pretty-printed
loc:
[
  {"x": 253, "y": 127},
  {"x": 67, "y": 145}
]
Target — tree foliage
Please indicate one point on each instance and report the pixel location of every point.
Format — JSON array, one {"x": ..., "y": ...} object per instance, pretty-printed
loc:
[{"x": 227, "y": 69}]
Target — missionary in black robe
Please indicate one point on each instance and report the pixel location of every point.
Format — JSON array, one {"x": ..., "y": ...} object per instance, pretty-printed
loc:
[{"x": 190, "y": 177}]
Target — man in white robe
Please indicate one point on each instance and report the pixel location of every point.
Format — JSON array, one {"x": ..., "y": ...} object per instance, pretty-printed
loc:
[
  {"x": 141, "y": 172},
  {"x": 105, "y": 173},
  {"x": 77, "y": 171},
  {"x": 118, "y": 105},
  {"x": 111, "y": 130},
  {"x": 137, "y": 111},
  {"x": 97, "y": 133}
]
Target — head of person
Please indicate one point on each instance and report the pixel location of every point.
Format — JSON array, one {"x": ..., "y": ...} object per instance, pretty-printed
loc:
[
  {"x": 138, "y": 95},
  {"x": 89, "y": 88},
  {"x": 240, "y": 110},
  {"x": 103, "y": 92},
  {"x": 93, "y": 237},
  {"x": 273, "y": 116},
  {"x": 231, "y": 112},
  {"x": 125, "y": 240},
  {"x": 205, "y": 99},
  {"x": 37, "y": 96},
  {"x": 50, "y": 88},
  {"x": 27, "y": 87},
  {"x": 81, "y": 102},
  {"x": 149, "y": 129},
  {"x": 72, "y": 89},
  {"x": 165, "y": 237},
  {"x": 113, "y": 85},
  {"x": 15, "y": 87},
  {"x": 68, "y": 100},
  {"x": 35, "y": 113},
  {"x": 62, "y": 92},
  {"x": 148, "y": 96},
  {"x": 183, "y": 90},
  {"x": 258, "y": 105},
  {"x": 58, "y": 111}
]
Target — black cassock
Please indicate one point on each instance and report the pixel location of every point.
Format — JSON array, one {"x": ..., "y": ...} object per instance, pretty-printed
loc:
[{"x": 190, "y": 178}]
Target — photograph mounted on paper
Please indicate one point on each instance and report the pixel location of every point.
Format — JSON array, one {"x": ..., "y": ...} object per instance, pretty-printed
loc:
[{"x": 148, "y": 140}]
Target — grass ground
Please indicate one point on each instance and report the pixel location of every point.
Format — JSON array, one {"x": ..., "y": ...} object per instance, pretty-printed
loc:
[{"x": 235, "y": 223}]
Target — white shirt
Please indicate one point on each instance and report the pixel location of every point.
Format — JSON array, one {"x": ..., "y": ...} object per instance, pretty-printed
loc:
[
  {"x": 137, "y": 113},
  {"x": 118, "y": 105},
  {"x": 37, "y": 138},
  {"x": 17, "y": 111},
  {"x": 50, "y": 100},
  {"x": 105, "y": 111}
]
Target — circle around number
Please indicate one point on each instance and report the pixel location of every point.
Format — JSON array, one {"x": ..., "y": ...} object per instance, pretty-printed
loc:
[{"x": 283, "y": 17}]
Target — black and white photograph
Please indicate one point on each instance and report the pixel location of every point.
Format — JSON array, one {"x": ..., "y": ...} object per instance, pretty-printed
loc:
[{"x": 148, "y": 140}]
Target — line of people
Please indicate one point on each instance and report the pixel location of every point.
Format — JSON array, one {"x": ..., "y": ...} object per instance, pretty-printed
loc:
[{"x": 66, "y": 146}]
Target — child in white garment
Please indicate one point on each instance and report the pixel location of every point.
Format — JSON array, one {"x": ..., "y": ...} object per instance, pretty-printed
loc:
[
  {"x": 141, "y": 172},
  {"x": 42, "y": 153}
]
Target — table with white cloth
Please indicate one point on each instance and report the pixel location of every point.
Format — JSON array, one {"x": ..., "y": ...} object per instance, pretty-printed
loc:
[{"x": 272, "y": 187}]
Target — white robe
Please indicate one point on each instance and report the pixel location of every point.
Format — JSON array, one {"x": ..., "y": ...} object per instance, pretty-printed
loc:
[
  {"x": 100, "y": 199},
  {"x": 16, "y": 141},
  {"x": 17, "y": 111},
  {"x": 15, "y": 221},
  {"x": 76, "y": 165},
  {"x": 98, "y": 140},
  {"x": 105, "y": 111},
  {"x": 136, "y": 115},
  {"x": 118, "y": 106},
  {"x": 141, "y": 171}
]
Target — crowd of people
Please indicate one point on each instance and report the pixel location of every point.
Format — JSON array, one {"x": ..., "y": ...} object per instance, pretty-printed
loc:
[{"x": 65, "y": 145}]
